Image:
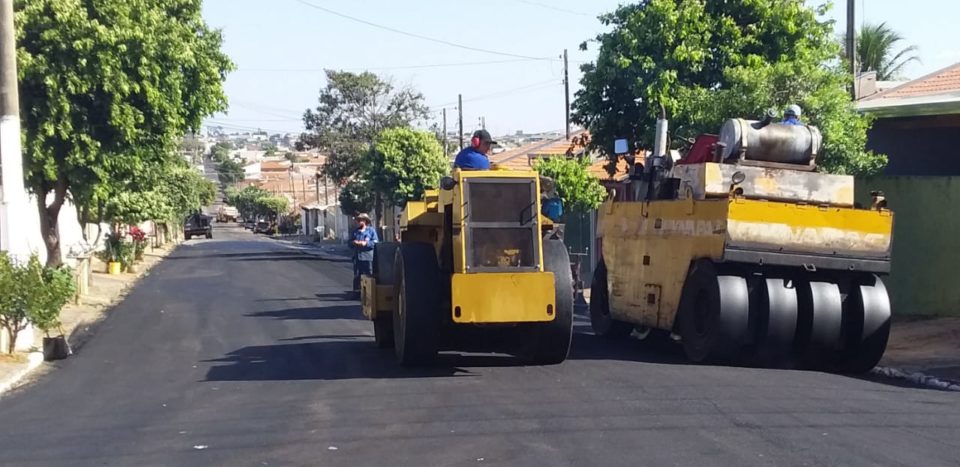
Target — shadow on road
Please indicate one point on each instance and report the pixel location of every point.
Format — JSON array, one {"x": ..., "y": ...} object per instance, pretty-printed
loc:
[
  {"x": 588, "y": 346},
  {"x": 330, "y": 360},
  {"x": 312, "y": 313},
  {"x": 246, "y": 255},
  {"x": 327, "y": 297}
]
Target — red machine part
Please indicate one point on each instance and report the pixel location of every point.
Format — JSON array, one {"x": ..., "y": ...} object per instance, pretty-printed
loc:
[{"x": 701, "y": 151}]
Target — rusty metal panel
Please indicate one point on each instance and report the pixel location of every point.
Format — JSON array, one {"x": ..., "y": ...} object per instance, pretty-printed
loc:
[
  {"x": 648, "y": 247},
  {"x": 712, "y": 180}
]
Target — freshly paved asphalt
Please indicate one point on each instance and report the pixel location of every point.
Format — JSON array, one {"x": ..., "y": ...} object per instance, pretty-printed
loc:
[{"x": 241, "y": 351}]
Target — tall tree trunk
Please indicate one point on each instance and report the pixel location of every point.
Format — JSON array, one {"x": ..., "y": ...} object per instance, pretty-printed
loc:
[{"x": 50, "y": 221}]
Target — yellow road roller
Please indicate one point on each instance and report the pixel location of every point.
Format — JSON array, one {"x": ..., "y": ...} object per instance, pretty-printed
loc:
[
  {"x": 476, "y": 267},
  {"x": 746, "y": 254}
]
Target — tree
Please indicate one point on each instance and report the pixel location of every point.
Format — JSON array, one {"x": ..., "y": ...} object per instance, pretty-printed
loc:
[
  {"x": 220, "y": 152},
  {"x": 246, "y": 200},
  {"x": 272, "y": 206},
  {"x": 577, "y": 187},
  {"x": 230, "y": 172},
  {"x": 109, "y": 87},
  {"x": 403, "y": 163},
  {"x": 703, "y": 62},
  {"x": 352, "y": 110},
  {"x": 269, "y": 149},
  {"x": 31, "y": 293},
  {"x": 356, "y": 197},
  {"x": 876, "y": 51}
]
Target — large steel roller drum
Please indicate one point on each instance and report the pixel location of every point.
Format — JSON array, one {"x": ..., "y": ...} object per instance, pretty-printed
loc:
[{"x": 775, "y": 142}]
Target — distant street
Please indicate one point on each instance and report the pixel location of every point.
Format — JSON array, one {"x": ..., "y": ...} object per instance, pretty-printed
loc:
[{"x": 242, "y": 351}]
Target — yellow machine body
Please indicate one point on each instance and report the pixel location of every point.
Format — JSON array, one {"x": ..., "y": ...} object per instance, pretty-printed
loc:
[
  {"x": 486, "y": 287},
  {"x": 649, "y": 246}
]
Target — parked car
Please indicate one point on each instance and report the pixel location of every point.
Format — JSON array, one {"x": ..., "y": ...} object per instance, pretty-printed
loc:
[
  {"x": 264, "y": 227},
  {"x": 249, "y": 225},
  {"x": 196, "y": 225}
]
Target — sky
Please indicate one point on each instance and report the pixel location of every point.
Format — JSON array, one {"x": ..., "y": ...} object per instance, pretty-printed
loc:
[{"x": 281, "y": 48}]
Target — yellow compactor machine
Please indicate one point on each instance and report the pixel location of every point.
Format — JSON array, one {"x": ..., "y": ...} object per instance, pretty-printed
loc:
[
  {"x": 748, "y": 255},
  {"x": 475, "y": 268}
]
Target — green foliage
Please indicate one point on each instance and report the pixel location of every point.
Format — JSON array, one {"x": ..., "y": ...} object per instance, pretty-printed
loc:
[
  {"x": 273, "y": 206},
  {"x": 254, "y": 202},
  {"x": 220, "y": 152},
  {"x": 45, "y": 292},
  {"x": 703, "y": 62},
  {"x": 31, "y": 293},
  {"x": 231, "y": 172},
  {"x": 133, "y": 208},
  {"x": 579, "y": 190},
  {"x": 356, "y": 196},
  {"x": 354, "y": 108},
  {"x": 13, "y": 313},
  {"x": 403, "y": 163},
  {"x": 876, "y": 51},
  {"x": 112, "y": 246},
  {"x": 269, "y": 149},
  {"x": 247, "y": 200},
  {"x": 109, "y": 88}
]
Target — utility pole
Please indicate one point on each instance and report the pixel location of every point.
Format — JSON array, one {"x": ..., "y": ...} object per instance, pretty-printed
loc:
[
  {"x": 445, "y": 132},
  {"x": 460, "y": 118},
  {"x": 483, "y": 122},
  {"x": 13, "y": 197},
  {"x": 852, "y": 45},
  {"x": 566, "y": 93}
]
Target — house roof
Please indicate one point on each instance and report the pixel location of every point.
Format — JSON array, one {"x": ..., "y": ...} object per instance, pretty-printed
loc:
[
  {"x": 937, "y": 93},
  {"x": 274, "y": 166},
  {"x": 599, "y": 169}
]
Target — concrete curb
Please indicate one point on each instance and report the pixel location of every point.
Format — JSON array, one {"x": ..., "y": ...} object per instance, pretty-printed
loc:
[
  {"x": 34, "y": 360},
  {"x": 918, "y": 379}
]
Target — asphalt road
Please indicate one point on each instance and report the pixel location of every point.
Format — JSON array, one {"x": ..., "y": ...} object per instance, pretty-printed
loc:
[{"x": 241, "y": 351}]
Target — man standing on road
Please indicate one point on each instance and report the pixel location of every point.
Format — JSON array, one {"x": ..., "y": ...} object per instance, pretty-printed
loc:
[
  {"x": 362, "y": 243},
  {"x": 474, "y": 157}
]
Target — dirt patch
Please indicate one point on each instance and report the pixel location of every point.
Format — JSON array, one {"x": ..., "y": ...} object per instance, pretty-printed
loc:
[
  {"x": 930, "y": 346},
  {"x": 13, "y": 358}
]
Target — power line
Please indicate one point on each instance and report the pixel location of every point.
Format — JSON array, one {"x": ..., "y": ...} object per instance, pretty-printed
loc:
[
  {"x": 554, "y": 8},
  {"x": 398, "y": 67},
  {"x": 419, "y": 36},
  {"x": 505, "y": 92}
]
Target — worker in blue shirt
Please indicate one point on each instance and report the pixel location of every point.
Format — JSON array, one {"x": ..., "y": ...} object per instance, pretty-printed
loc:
[
  {"x": 474, "y": 157},
  {"x": 792, "y": 115},
  {"x": 362, "y": 242}
]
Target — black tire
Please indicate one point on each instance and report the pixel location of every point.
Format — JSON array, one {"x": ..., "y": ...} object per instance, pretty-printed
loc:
[
  {"x": 416, "y": 305},
  {"x": 869, "y": 327},
  {"x": 600, "y": 320},
  {"x": 384, "y": 262},
  {"x": 819, "y": 324},
  {"x": 383, "y": 332},
  {"x": 551, "y": 340},
  {"x": 714, "y": 315},
  {"x": 384, "y": 259},
  {"x": 186, "y": 237}
]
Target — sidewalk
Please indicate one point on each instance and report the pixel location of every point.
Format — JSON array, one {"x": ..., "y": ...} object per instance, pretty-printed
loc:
[
  {"x": 925, "y": 345},
  {"x": 80, "y": 320}
]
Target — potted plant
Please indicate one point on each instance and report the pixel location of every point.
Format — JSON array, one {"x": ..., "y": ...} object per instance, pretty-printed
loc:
[
  {"x": 125, "y": 254},
  {"x": 109, "y": 256},
  {"x": 45, "y": 291},
  {"x": 139, "y": 238}
]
